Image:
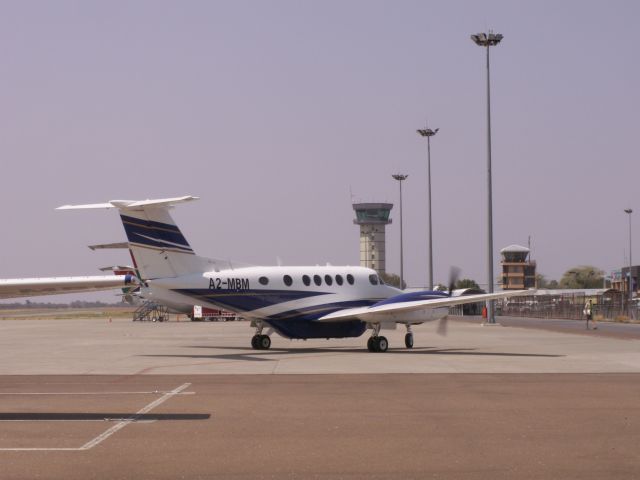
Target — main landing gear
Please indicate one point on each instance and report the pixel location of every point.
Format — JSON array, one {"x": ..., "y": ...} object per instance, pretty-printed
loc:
[
  {"x": 260, "y": 341},
  {"x": 377, "y": 343}
]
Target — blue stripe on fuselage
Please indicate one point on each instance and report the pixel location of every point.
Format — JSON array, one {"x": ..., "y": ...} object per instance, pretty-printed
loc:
[
  {"x": 247, "y": 300},
  {"x": 412, "y": 297}
]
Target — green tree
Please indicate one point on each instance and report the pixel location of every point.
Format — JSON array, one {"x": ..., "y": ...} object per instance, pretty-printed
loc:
[
  {"x": 392, "y": 279},
  {"x": 585, "y": 276},
  {"x": 542, "y": 282},
  {"x": 466, "y": 283}
]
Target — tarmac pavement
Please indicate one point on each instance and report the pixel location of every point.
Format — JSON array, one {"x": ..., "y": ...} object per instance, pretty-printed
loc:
[{"x": 82, "y": 399}]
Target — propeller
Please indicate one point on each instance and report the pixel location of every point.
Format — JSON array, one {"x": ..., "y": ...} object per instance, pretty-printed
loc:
[{"x": 454, "y": 273}]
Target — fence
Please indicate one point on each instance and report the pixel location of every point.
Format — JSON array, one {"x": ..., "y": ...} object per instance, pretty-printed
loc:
[{"x": 610, "y": 304}]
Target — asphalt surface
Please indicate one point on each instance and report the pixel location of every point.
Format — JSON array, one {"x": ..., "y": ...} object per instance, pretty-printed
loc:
[
  {"x": 84, "y": 399},
  {"x": 323, "y": 426}
]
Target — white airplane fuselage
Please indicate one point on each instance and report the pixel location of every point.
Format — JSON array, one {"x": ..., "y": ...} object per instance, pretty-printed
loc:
[{"x": 288, "y": 299}]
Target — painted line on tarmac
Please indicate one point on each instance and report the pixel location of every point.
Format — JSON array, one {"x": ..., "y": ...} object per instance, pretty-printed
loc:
[{"x": 117, "y": 427}]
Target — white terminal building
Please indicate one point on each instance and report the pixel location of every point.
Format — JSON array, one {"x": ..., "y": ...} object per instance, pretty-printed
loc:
[{"x": 372, "y": 218}]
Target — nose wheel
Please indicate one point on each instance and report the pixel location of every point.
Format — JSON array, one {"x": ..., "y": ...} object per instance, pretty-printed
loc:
[{"x": 408, "y": 340}]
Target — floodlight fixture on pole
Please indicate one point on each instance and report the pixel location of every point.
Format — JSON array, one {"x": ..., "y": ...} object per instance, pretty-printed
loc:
[
  {"x": 400, "y": 178},
  {"x": 489, "y": 40},
  {"x": 427, "y": 132},
  {"x": 628, "y": 211}
]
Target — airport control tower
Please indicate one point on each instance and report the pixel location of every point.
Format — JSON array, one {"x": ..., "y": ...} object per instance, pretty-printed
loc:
[{"x": 372, "y": 218}]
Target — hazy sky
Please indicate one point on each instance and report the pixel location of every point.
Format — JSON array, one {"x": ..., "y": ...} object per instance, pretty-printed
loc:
[{"x": 276, "y": 112}]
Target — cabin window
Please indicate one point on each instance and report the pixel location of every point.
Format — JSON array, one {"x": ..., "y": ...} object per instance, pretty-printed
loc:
[
  {"x": 328, "y": 280},
  {"x": 317, "y": 280},
  {"x": 373, "y": 279},
  {"x": 287, "y": 280},
  {"x": 263, "y": 281},
  {"x": 339, "y": 279},
  {"x": 350, "y": 279},
  {"x": 306, "y": 280}
]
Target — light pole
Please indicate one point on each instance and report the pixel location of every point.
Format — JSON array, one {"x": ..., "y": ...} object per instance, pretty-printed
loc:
[
  {"x": 489, "y": 40},
  {"x": 628, "y": 211},
  {"x": 400, "y": 177},
  {"x": 427, "y": 132}
]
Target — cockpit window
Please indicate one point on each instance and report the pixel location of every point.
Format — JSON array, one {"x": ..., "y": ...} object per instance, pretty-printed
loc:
[
  {"x": 380, "y": 280},
  {"x": 373, "y": 279}
]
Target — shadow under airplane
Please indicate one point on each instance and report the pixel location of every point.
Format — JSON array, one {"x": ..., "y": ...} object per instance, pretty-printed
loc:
[
  {"x": 267, "y": 355},
  {"x": 100, "y": 416}
]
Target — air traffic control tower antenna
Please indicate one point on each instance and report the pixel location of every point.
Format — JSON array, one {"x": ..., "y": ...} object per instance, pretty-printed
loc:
[{"x": 372, "y": 218}]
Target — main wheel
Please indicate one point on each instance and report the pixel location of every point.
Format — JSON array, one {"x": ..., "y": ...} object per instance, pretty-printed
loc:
[
  {"x": 265, "y": 342},
  {"x": 255, "y": 342},
  {"x": 382, "y": 344},
  {"x": 408, "y": 340},
  {"x": 371, "y": 344}
]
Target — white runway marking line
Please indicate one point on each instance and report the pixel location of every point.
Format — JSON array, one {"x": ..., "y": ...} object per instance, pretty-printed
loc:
[{"x": 117, "y": 427}]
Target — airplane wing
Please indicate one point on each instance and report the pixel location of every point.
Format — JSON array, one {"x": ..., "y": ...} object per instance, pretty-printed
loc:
[
  {"x": 412, "y": 311},
  {"x": 31, "y": 287}
]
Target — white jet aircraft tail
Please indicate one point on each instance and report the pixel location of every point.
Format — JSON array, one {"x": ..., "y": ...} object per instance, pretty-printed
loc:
[{"x": 158, "y": 247}]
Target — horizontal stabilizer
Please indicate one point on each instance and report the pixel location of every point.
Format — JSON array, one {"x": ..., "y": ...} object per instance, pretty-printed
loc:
[
  {"x": 104, "y": 246},
  {"x": 132, "y": 204}
]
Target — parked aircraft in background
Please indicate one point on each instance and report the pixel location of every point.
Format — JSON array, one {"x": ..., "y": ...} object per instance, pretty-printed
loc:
[{"x": 295, "y": 302}]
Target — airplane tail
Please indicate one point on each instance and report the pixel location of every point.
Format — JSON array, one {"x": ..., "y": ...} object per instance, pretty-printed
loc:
[{"x": 158, "y": 247}]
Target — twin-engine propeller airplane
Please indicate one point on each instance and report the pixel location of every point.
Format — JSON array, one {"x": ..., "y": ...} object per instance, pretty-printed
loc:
[{"x": 296, "y": 302}]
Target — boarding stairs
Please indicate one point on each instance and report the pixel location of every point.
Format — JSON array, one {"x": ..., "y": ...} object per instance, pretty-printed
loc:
[{"x": 151, "y": 312}]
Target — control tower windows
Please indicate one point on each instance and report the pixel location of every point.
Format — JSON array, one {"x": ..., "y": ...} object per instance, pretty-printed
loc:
[
  {"x": 287, "y": 280},
  {"x": 339, "y": 279},
  {"x": 263, "y": 281},
  {"x": 306, "y": 280},
  {"x": 328, "y": 280},
  {"x": 350, "y": 279},
  {"x": 317, "y": 280}
]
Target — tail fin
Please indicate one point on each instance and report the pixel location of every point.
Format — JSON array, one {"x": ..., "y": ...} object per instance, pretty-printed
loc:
[{"x": 158, "y": 247}]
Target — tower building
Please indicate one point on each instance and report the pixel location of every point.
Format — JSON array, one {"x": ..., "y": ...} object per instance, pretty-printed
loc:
[
  {"x": 518, "y": 270},
  {"x": 372, "y": 218}
]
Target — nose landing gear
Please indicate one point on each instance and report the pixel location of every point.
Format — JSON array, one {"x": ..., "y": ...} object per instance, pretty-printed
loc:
[{"x": 408, "y": 338}]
